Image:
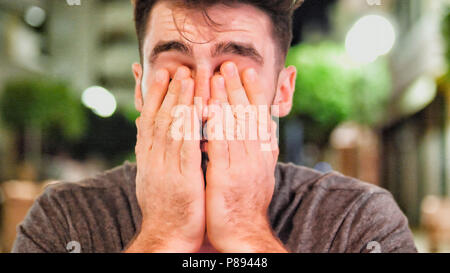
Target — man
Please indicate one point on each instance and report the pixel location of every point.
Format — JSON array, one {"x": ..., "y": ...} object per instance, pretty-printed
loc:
[{"x": 216, "y": 54}]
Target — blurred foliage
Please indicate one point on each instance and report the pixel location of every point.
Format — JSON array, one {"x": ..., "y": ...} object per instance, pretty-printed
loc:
[
  {"x": 130, "y": 112},
  {"x": 446, "y": 35},
  {"x": 43, "y": 103},
  {"x": 331, "y": 89}
]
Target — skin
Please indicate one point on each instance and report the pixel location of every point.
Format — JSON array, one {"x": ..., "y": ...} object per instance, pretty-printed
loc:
[{"x": 179, "y": 213}]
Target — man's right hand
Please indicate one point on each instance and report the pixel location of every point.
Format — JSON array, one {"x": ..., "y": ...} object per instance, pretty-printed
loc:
[{"x": 169, "y": 180}]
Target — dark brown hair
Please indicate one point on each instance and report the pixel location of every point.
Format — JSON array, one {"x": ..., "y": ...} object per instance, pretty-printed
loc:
[{"x": 279, "y": 11}]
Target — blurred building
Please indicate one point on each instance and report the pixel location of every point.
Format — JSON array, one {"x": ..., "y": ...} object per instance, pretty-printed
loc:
[
  {"x": 87, "y": 44},
  {"x": 90, "y": 44},
  {"x": 413, "y": 138}
]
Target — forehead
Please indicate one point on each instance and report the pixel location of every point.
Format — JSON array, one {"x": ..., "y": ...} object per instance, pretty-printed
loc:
[{"x": 242, "y": 23}]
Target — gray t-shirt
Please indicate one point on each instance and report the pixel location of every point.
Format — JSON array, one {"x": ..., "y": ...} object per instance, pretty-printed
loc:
[{"x": 310, "y": 212}]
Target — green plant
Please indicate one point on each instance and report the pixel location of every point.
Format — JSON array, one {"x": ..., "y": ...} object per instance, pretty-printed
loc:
[
  {"x": 32, "y": 107},
  {"x": 446, "y": 35},
  {"x": 42, "y": 103},
  {"x": 330, "y": 89}
]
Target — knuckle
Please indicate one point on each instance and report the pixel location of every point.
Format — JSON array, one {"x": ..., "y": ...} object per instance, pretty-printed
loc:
[
  {"x": 169, "y": 135},
  {"x": 184, "y": 157},
  {"x": 163, "y": 115},
  {"x": 173, "y": 89},
  {"x": 136, "y": 149},
  {"x": 160, "y": 123}
]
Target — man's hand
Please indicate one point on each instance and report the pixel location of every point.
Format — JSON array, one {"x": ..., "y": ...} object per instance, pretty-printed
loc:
[
  {"x": 169, "y": 180},
  {"x": 240, "y": 173}
]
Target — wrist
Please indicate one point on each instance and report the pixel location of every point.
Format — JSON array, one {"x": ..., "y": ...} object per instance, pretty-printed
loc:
[
  {"x": 250, "y": 239},
  {"x": 149, "y": 242},
  {"x": 255, "y": 243}
]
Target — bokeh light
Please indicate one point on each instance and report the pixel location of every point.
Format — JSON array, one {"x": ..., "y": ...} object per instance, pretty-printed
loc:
[
  {"x": 100, "y": 100},
  {"x": 35, "y": 16},
  {"x": 370, "y": 37}
]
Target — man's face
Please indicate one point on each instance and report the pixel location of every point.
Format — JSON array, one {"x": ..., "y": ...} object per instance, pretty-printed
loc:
[
  {"x": 178, "y": 36},
  {"x": 242, "y": 34}
]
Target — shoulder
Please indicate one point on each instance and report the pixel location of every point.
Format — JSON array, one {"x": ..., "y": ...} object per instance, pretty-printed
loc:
[
  {"x": 303, "y": 179},
  {"x": 109, "y": 194},
  {"x": 122, "y": 176},
  {"x": 99, "y": 212},
  {"x": 110, "y": 189},
  {"x": 303, "y": 183},
  {"x": 324, "y": 211}
]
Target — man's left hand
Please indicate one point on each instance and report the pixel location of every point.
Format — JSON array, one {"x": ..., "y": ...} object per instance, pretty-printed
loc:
[{"x": 240, "y": 174}]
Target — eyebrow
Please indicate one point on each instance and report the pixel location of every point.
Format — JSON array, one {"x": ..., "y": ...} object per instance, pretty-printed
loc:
[
  {"x": 235, "y": 48},
  {"x": 241, "y": 49},
  {"x": 164, "y": 46}
]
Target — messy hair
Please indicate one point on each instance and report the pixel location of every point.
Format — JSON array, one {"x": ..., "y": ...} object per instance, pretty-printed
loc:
[{"x": 279, "y": 11}]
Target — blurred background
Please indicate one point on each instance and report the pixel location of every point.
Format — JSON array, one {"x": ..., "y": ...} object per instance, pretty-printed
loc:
[{"x": 372, "y": 100}]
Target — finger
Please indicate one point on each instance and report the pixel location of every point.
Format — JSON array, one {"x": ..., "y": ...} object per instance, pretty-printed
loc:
[
  {"x": 274, "y": 141},
  {"x": 163, "y": 118},
  {"x": 143, "y": 132},
  {"x": 139, "y": 140},
  {"x": 236, "y": 146},
  {"x": 190, "y": 153},
  {"x": 187, "y": 93},
  {"x": 186, "y": 99},
  {"x": 181, "y": 122},
  {"x": 256, "y": 95},
  {"x": 155, "y": 95},
  {"x": 217, "y": 145},
  {"x": 152, "y": 101},
  {"x": 142, "y": 135},
  {"x": 235, "y": 90},
  {"x": 172, "y": 94},
  {"x": 143, "y": 145},
  {"x": 270, "y": 149},
  {"x": 218, "y": 91},
  {"x": 254, "y": 88},
  {"x": 138, "y": 128},
  {"x": 238, "y": 97}
]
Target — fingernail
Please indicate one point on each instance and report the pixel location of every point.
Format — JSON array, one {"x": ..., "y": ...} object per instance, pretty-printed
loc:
[
  {"x": 179, "y": 74},
  {"x": 230, "y": 69},
  {"x": 184, "y": 84},
  {"x": 220, "y": 82},
  {"x": 160, "y": 76},
  {"x": 251, "y": 74}
]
